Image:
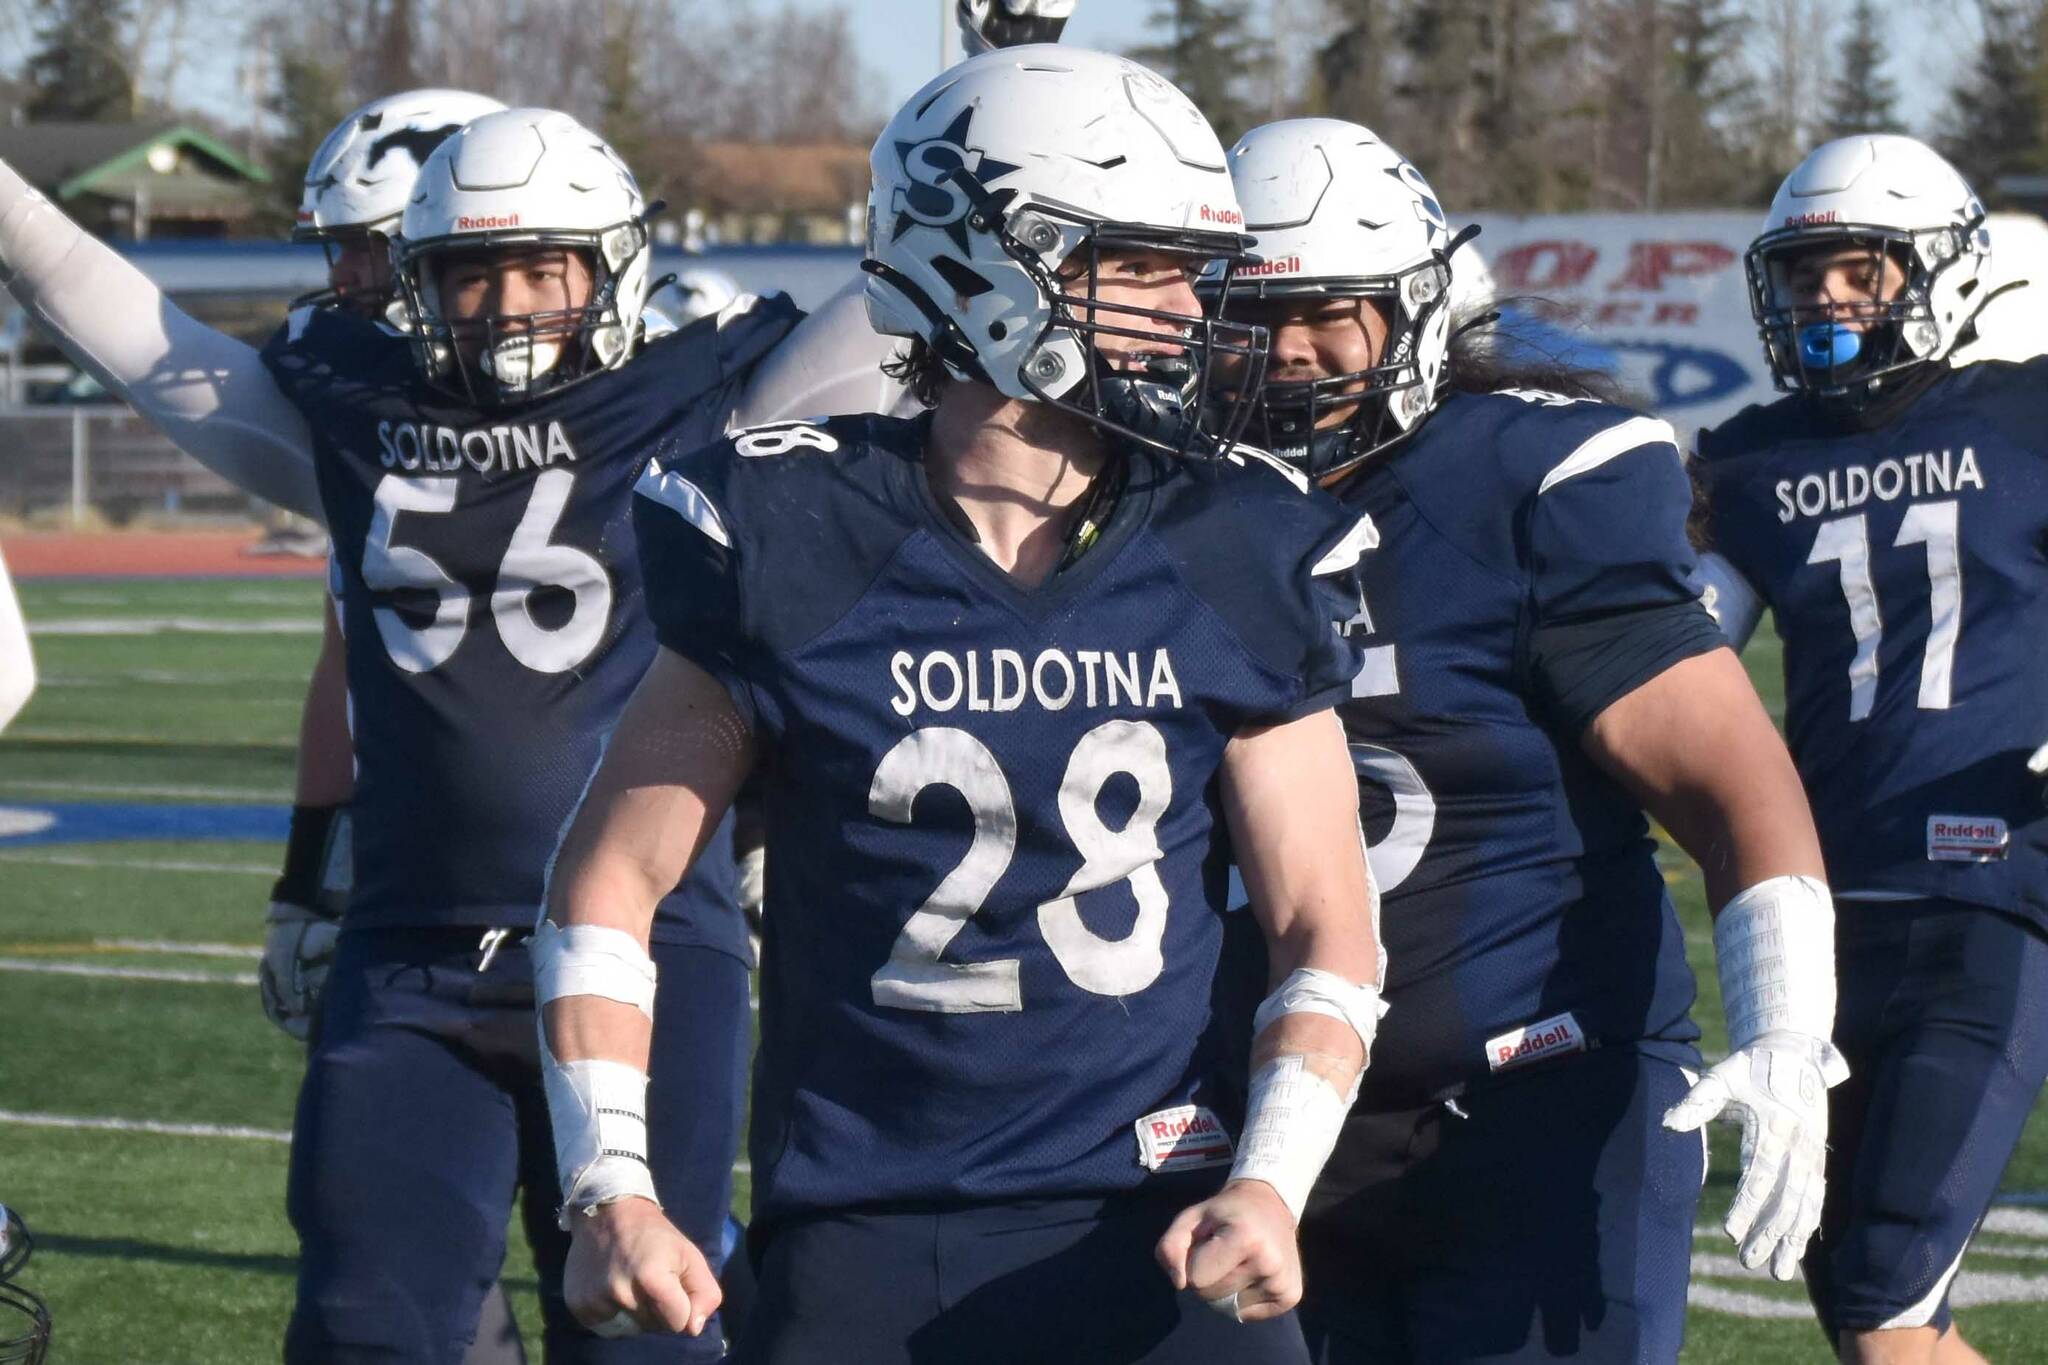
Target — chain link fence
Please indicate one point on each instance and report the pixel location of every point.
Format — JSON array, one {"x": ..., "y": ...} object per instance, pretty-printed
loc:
[{"x": 101, "y": 464}]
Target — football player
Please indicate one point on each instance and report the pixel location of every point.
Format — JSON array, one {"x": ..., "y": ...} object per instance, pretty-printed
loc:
[
  {"x": 1004, "y": 690},
  {"x": 1519, "y": 1176},
  {"x": 476, "y": 472},
  {"x": 1891, "y": 510},
  {"x": 355, "y": 190},
  {"x": 24, "y": 1318}
]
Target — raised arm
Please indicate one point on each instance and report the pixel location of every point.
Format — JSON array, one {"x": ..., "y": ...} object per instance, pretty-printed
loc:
[
  {"x": 1291, "y": 800},
  {"x": 207, "y": 392},
  {"x": 671, "y": 769}
]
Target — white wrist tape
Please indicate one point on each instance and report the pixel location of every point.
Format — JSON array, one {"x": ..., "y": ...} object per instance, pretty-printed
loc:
[
  {"x": 1294, "y": 1116},
  {"x": 588, "y": 959},
  {"x": 599, "y": 1114},
  {"x": 1774, "y": 948},
  {"x": 1291, "y": 1126},
  {"x": 1308, "y": 990},
  {"x": 597, "y": 1108}
]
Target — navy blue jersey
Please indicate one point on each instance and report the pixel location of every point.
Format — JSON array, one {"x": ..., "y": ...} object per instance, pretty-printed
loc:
[
  {"x": 995, "y": 886},
  {"x": 1523, "y": 912},
  {"x": 491, "y": 598},
  {"x": 1907, "y": 569}
]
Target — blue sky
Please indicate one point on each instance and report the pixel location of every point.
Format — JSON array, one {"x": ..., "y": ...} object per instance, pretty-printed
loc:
[{"x": 899, "y": 42}]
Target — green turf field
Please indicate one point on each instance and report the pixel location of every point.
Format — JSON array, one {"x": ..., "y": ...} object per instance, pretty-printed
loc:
[{"x": 144, "y": 1101}]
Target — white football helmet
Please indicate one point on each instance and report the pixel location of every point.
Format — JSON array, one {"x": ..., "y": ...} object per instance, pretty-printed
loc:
[
  {"x": 1893, "y": 196},
  {"x": 523, "y": 178},
  {"x": 1337, "y": 213},
  {"x": 358, "y": 181},
  {"x": 24, "y": 1319},
  {"x": 1018, "y": 164},
  {"x": 989, "y": 24}
]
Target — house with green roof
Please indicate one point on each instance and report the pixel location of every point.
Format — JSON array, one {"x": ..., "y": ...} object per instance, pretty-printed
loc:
[{"x": 137, "y": 180}]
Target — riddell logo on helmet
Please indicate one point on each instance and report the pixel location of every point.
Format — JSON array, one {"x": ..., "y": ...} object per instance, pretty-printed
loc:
[
  {"x": 1286, "y": 265},
  {"x": 1228, "y": 217},
  {"x": 465, "y": 223},
  {"x": 1811, "y": 219}
]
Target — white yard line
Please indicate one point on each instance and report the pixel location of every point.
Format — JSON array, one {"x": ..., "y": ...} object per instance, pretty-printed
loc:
[
  {"x": 248, "y": 951},
  {"x": 93, "y": 969},
  {"x": 185, "y": 625},
  {"x": 262, "y": 796},
  {"x": 87, "y": 1122},
  {"x": 94, "y": 1123},
  {"x": 133, "y": 864}
]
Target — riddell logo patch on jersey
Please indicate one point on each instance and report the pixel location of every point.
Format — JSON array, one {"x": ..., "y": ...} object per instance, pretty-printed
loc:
[
  {"x": 1537, "y": 1042},
  {"x": 1966, "y": 839},
  {"x": 1183, "y": 1138}
]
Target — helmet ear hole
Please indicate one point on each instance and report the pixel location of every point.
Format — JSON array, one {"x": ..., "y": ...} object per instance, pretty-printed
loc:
[{"x": 965, "y": 281}]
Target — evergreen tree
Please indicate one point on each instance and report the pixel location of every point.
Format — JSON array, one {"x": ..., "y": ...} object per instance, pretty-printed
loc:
[
  {"x": 1862, "y": 98},
  {"x": 79, "y": 69},
  {"x": 1208, "y": 48},
  {"x": 1352, "y": 70},
  {"x": 1700, "y": 152},
  {"x": 1994, "y": 122},
  {"x": 308, "y": 101}
]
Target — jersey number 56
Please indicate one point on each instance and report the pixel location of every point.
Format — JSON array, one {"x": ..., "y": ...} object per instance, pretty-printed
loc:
[{"x": 530, "y": 564}]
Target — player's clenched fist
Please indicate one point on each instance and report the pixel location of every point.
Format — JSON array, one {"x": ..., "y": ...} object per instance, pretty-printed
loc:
[
  {"x": 630, "y": 1271},
  {"x": 1237, "y": 1251}
]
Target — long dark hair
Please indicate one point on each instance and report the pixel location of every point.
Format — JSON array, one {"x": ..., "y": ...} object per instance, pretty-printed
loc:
[{"x": 1493, "y": 348}]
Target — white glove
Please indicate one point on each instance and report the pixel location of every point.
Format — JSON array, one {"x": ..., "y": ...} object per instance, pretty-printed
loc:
[
  {"x": 1778, "y": 1088},
  {"x": 1774, "y": 946},
  {"x": 298, "y": 948}
]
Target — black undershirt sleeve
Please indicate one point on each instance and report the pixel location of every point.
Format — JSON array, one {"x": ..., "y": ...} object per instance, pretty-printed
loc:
[{"x": 1580, "y": 668}]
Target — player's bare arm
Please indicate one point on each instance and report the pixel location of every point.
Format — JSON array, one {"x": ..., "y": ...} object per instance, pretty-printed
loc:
[
  {"x": 672, "y": 768},
  {"x": 1696, "y": 748},
  {"x": 1292, "y": 804}
]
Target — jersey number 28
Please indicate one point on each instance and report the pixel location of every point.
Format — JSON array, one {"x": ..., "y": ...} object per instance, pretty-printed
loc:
[
  {"x": 914, "y": 978},
  {"x": 530, "y": 564}
]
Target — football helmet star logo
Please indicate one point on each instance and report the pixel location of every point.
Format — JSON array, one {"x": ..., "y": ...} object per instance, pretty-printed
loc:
[{"x": 930, "y": 200}]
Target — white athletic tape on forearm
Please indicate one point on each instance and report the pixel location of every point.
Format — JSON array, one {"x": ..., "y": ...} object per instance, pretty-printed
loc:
[
  {"x": 1774, "y": 947},
  {"x": 599, "y": 1114},
  {"x": 1291, "y": 1126},
  {"x": 588, "y": 959},
  {"x": 1309, "y": 990}
]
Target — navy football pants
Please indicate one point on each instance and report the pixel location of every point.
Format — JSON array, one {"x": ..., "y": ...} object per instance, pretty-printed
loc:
[
  {"x": 1548, "y": 1216},
  {"x": 1943, "y": 1016},
  {"x": 1051, "y": 1282},
  {"x": 422, "y": 1115}
]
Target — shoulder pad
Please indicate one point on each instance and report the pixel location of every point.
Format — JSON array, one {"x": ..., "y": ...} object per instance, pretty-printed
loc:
[{"x": 1542, "y": 440}]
